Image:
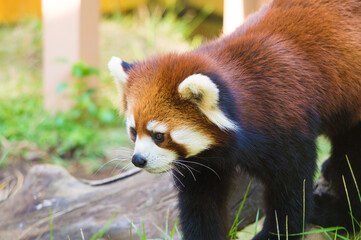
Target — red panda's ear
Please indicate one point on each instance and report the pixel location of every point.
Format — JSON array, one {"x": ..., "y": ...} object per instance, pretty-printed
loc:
[
  {"x": 201, "y": 90},
  {"x": 118, "y": 69}
]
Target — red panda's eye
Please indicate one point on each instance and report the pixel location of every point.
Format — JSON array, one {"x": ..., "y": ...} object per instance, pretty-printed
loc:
[
  {"x": 158, "y": 137},
  {"x": 133, "y": 133}
]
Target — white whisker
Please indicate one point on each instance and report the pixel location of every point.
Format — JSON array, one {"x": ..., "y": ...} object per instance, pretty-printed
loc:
[
  {"x": 186, "y": 166},
  {"x": 175, "y": 169},
  {"x": 125, "y": 167},
  {"x": 171, "y": 175},
  {"x": 182, "y": 164},
  {"x": 197, "y": 163},
  {"x": 110, "y": 161},
  {"x": 115, "y": 167},
  {"x": 178, "y": 180},
  {"x": 123, "y": 150}
]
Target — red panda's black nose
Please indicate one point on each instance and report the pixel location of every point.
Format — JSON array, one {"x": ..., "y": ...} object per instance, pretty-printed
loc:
[{"x": 139, "y": 161}]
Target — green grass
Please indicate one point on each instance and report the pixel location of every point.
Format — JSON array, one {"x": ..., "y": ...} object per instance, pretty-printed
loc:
[
  {"x": 103, "y": 230},
  {"x": 97, "y": 236},
  {"x": 331, "y": 233},
  {"x": 233, "y": 231},
  {"x": 51, "y": 223}
]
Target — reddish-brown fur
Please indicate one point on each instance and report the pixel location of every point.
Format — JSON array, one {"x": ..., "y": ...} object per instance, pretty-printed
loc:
[
  {"x": 315, "y": 44},
  {"x": 153, "y": 87},
  {"x": 294, "y": 72},
  {"x": 319, "y": 45}
]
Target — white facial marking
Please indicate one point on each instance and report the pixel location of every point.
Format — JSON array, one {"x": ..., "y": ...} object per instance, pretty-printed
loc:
[
  {"x": 130, "y": 123},
  {"x": 155, "y": 126},
  {"x": 158, "y": 159},
  {"x": 200, "y": 89},
  {"x": 117, "y": 71},
  {"x": 194, "y": 142},
  {"x": 217, "y": 117}
]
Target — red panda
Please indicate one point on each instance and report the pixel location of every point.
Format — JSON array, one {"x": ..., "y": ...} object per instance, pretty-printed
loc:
[{"x": 258, "y": 99}]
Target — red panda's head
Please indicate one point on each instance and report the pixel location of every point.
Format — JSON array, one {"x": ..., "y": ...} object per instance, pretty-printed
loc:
[{"x": 172, "y": 107}]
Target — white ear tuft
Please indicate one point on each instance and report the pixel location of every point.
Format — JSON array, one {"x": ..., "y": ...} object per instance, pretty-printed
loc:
[
  {"x": 117, "y": 71},
  {"x": 201, "y": 90},
  {"x": 115, "y": 66}
]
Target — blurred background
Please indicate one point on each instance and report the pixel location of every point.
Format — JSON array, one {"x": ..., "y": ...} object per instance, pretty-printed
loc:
[{"x": 57, "y": 101}]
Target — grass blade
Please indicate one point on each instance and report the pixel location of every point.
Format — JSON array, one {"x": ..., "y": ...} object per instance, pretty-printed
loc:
[
  {"x": 130, "y": 232},
  {"x": 102, "y": 231},
  {"x": 233, "y": 231},
  {"x": 256, "y": 223},
  {"x": 286, "y": 227},
  {"x": 51, "y": 223},
  {"x": 174, "y": 228},
  {"x": 325, "y": 231},
  {"x": 278, "y": 227},
  {"x": 336, "y": 234},
  {"x": 349, "y": 205},
  {"x": 144, "y": 237},
  {"x": 354, "y": 179},
  {"x": 304, "y": 209},
  {"x": 136, "y": 229}
]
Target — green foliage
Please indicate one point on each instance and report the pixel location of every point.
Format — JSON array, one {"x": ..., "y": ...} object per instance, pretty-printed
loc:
[
  {"x": 74, "y": 133},
  {"x": 323, "y": 148},
  {"x": 323, "y": 152},
  {"x": 80, "y": 70}
]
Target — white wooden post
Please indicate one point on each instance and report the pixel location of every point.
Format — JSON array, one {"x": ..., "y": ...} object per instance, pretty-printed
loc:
[
  {"x": 236, "y": 11},
  {"x": 233, "y": 15},
  {"x": 70, "y": 32}
]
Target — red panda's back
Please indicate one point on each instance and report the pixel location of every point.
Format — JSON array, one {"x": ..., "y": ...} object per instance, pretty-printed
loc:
[{"x": 296, "y": 55}]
